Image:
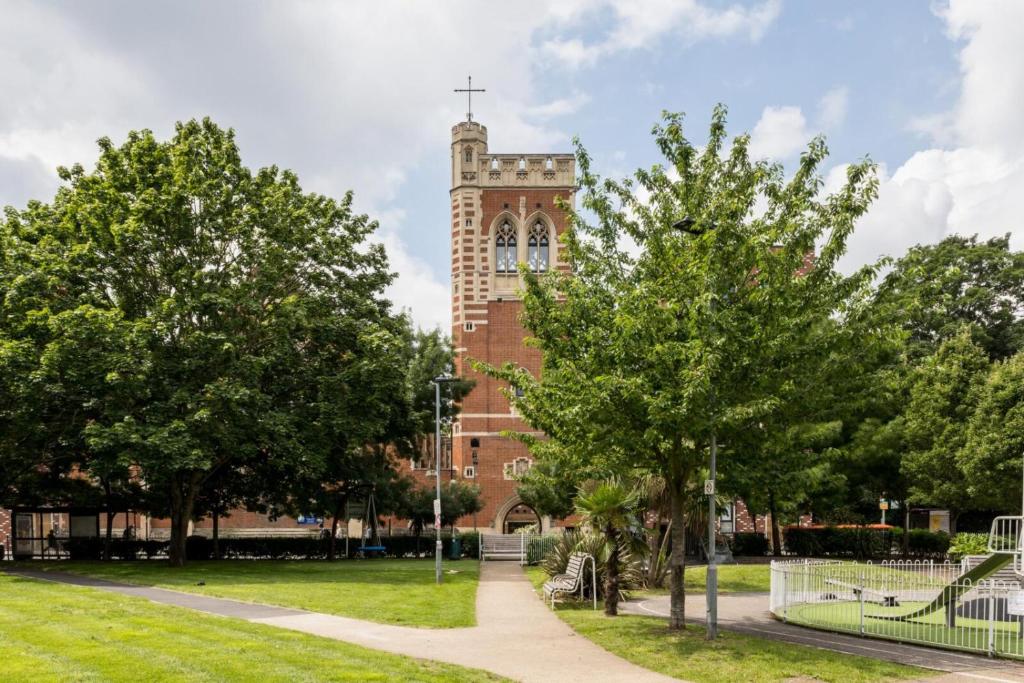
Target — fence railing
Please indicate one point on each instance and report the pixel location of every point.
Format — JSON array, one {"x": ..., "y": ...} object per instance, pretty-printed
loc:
[{"x": 915, "y": 602}]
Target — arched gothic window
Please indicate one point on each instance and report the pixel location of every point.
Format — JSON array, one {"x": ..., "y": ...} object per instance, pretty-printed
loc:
[
  {"x": 505, "y": 249},
  {"x": 537, "y": 247},
  {"x": 522, "y": 164},
  {"x": 469, "y": 155},
  {"x": 494, "y": 164}
]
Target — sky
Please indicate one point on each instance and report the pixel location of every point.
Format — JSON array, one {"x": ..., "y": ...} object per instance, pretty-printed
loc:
[{"x": 358, "y": 96}]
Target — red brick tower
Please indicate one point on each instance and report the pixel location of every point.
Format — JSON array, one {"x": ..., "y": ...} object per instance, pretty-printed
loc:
[{"x": 503, "y": 213}]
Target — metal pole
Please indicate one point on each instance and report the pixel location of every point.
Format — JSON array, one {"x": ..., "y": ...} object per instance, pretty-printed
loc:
[
  {"x": 712, "y": 578},
  {"x": 437, "y": 476}
]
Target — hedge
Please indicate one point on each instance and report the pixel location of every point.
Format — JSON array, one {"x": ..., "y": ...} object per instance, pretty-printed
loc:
[
  {"x": 860, "y": 543},
  {"x": 749, "y": 545},
  {"x": 92, "y": 548},
  {"x": 864, "y": 543}
]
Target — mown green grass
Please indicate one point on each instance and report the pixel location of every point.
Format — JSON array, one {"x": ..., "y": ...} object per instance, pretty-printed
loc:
[
  {"x": 969, "y": 634},
  {"x": 732, "y": 578},
  {"x": 647, "y": 642},
  {"x": 386, "y": 591},
  {"x": 52, "y": 632}
]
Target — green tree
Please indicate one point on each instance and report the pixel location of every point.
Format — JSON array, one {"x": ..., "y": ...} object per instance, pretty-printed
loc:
[
  {"x": 935, "y": 289},
  {"x": 609, "y": 509},
  {"x": 648, "y": 358},
  {"x": 232, "y": 299},
  {"x": 943, "y": 394},
  {"x": 432, "y": 356},
  {"x": 548, "y": 489},
  {"x": 458, "y": 499},
  {"x": 991, "y": 456}
]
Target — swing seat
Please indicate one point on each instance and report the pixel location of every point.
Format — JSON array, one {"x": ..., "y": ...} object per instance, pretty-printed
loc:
[{"x": 372, "y": 549}]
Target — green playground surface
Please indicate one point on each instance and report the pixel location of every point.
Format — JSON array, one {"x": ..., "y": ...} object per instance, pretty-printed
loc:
[{"x": 930, "y": 629}]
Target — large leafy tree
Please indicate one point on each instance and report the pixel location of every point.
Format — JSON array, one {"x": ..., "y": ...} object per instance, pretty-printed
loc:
[
  {"x": 231, "y": 301},
  {"x": 649, "y": 358},
  {"x": 933, "y": 290},
  {"x": 991, "y": 457},
  {"x": 943, "y": 394}
]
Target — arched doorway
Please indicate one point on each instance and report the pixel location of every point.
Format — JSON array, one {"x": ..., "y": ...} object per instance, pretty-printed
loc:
[{"x": 515, "y": 515}]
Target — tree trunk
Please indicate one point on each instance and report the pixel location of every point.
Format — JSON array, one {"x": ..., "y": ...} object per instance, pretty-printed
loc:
[
  {"x": 654, "y": 548},
  {"x": 677, "y": 558},
  {"x": 216, "y": 534},
  {"x": 183, "y": 497},
  {"x": 108, "y": 537},
  {"x": 611, "y": 574},
  {"x": 776, "y": 534}
]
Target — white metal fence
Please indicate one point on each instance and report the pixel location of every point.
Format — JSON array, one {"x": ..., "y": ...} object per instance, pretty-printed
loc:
[{"x": 912, "y": 601}]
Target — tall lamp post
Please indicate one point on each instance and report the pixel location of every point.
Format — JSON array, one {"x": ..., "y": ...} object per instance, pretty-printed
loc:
[
  {"x": 437, "y": 471},
  {"x": 688, "y": 225}
]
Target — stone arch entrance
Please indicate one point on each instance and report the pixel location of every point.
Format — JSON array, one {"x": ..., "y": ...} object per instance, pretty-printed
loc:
[{"x": 514, "y": 514}]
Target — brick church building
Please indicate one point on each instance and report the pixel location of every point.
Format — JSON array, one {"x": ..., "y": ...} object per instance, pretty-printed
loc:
[{"x": 503, "y": 209}]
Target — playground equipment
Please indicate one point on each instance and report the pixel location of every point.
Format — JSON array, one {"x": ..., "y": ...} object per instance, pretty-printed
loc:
[{"x": 370, "y": 528}]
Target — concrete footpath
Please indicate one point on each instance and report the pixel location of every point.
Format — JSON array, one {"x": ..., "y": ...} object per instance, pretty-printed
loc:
[
  {"x": 748, "y": 613},
  {"x": 517, "y": 636}
]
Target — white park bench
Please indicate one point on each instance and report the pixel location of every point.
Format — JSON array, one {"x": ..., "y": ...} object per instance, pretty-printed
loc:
[{"x": 572, "y": 579}]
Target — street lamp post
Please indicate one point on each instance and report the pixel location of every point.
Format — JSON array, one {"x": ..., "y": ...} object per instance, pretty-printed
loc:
[
  {"x": 437, "y": 472},
  {"x": 688, "y": 224}
]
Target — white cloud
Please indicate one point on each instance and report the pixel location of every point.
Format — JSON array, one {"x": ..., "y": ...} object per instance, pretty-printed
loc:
[
  {"x": 642, "y": 24},
  {"x": 832, "y": 108},
  {"x": 560, "y": 107},
  {"x": 783, "y": 131},
  {"x": 974, "y": 182},
  {"x": 344, "y": 94},
  {"x": 780, "y": 133}
]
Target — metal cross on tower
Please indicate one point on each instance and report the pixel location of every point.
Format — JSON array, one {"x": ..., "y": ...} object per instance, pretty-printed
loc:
[{"x": 469, "y": 90}]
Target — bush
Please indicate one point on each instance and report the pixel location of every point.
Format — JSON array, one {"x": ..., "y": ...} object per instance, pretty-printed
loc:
[
  {"x": 860, "y": 543},
  {"x": 749, "y": 545},
  {"x": 964, "y": 544},
  {"x": 926, "y": 544},
  {"x": 85, "y": 548},
  {"x": 198, "y": 548},
  {"x": 631, "y": 575}
]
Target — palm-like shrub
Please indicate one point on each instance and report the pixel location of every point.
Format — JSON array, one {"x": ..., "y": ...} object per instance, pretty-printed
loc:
[
  {"x": 631, "y": 571},
  {"x": 610, "y": 508}
]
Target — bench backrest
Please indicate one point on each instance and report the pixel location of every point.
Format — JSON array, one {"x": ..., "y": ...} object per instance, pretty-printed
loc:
[{"x": 575, "y": 566}]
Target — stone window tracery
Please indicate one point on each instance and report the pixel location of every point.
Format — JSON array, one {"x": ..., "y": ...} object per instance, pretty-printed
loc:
[
  {"x": 538, "y": 247},
  {"x": 505, "y": 248},
  {"x": 468, "y": 155}
]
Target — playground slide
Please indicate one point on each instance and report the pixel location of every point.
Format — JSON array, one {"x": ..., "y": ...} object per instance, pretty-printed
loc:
[{"x": 951, "y": 593}]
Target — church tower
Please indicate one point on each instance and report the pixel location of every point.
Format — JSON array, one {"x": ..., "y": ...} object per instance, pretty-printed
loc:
[{"x": 503, "y": 213}]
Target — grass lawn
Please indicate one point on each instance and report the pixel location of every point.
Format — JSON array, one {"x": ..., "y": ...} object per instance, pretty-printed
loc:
[
  {"x": 51, "y": 632},
  {"x": 387, "y": 591},
  {"x": 732, "y": 578},
  {"x": 647, "y": 642},
  {"x": 971, "y": 634}
]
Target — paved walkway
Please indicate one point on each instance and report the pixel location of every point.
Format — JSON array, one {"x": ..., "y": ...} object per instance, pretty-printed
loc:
[
  {"x": 748, "y": 613},
  {"x": 517, "y": 636}
]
